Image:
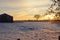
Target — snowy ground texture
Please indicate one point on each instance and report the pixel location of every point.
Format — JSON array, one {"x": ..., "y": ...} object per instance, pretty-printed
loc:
[{"x": 30, "y": 31}]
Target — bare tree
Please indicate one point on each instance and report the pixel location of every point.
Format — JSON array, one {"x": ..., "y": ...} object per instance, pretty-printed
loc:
[
  {"x": 56, "y": 10},
  {"x": 36, "y": 16},
  {"x": 57, "y": 15},
  {"x": 57, "y": 2}
]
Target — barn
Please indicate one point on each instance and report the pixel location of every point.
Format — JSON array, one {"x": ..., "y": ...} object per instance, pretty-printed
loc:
[{"x": 6, "y": 18}]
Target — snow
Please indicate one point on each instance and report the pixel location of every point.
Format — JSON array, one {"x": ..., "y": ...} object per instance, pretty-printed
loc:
[{"x": 29, "y": 31}]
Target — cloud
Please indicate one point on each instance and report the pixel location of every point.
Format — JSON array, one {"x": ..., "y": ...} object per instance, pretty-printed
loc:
[
  {"x": 24, "y": 7},
  {"x": 23, "y": 3},
  {"x": 10, "y": 0}
]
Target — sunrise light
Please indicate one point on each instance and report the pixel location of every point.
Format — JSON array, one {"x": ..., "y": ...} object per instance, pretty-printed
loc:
[{"x": 50, "y": 17}]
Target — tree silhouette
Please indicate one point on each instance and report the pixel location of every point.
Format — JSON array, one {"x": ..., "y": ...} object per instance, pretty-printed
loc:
[
  {"x": 37, "y": 17},
  {"x": 57, "y": 2},
  {"x": 55, "y": 9},
  {"x": 58, "y": 15}
]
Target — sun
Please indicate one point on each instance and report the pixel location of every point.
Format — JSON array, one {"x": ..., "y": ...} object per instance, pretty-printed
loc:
[{"x": 50, "y": 17}]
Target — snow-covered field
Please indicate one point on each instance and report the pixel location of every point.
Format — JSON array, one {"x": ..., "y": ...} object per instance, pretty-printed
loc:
[{"x": 30, "y": 31}]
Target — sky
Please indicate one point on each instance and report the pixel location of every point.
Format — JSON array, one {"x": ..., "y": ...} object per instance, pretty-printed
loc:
[{"x": 24, "y": 9}]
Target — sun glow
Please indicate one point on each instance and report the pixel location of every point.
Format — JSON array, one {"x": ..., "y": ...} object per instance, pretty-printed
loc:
[{"x": 50, "y": 17}]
